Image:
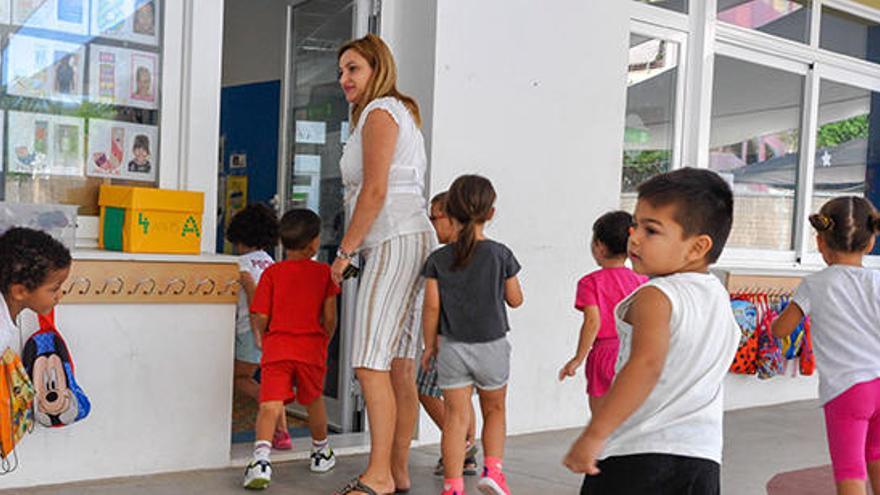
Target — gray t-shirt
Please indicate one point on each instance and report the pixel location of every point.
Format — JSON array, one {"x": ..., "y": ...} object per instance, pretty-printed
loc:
[{"x": 472, "y": 306}]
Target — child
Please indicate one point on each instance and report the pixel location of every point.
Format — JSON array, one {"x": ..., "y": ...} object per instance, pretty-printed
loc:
[
  {"x": 141, "y": 150},
  {"x": 843, "y": 302},
  {"x": 252, "y": 232},
  {"x": 430, "y": 394},
  {"x": 33, "y": 266},
  {"x": 296, "y": 302},
  {"x": 659, "y": 427},
  {"x": 597, "y": 295},
  {"x": 468, "y": 283}
]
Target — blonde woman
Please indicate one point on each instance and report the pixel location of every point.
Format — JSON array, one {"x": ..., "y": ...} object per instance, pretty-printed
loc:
[{"x": 383, "y": 170}]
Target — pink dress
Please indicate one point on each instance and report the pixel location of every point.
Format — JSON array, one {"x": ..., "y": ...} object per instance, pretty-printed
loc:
[{"x": 604, "y": 288}]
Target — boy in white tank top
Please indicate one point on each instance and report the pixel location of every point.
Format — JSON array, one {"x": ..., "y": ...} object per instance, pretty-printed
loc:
[{"x": 659, "y": 431}]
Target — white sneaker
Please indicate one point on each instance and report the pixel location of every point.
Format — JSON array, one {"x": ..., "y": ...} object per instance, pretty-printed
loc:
[
  {"x": 322, "y": 460},
  {"x": 258, "y": 475}
]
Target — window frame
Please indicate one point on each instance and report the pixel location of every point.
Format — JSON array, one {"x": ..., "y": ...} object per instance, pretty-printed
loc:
[{"x": 705, "y": 36}]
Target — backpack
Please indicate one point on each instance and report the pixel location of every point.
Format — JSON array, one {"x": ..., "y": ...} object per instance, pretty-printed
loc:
[
  {"x": 16, "y": 408},
  {"x": 59, "y": 399},
  {"x": 770, "y": 361},
  {"x": 745, "y": 360}
]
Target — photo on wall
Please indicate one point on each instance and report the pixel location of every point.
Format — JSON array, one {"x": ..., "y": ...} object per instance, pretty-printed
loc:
[
  {"x": 120, "y": 76},
  {"x": 69, "y": 16},
  {"x": 46, "y": 69},
  {"x": 45, "y": 144},
  {"x": 136, "y": 21},
  {"x": 122, "y": 150}
]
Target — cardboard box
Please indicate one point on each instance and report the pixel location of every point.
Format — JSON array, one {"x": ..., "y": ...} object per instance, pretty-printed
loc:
[{"x": 149, "y": 220}]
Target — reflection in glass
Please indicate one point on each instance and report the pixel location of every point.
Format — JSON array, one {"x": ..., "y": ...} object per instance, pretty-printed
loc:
[
  {"x": 650, "y": 109},
  {"x": 848, "y": 34},
  {"x": 82, "y": 81},
  {"x": 789, "y": 19},
  {"x": 676, "y": 5},
  {"x": 847, "y": 145},
  {"x": 320, "y": 116},
  {"x": 754, "y": 142}
]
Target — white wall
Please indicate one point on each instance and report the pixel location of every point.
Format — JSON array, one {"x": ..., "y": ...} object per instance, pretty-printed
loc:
[
  {"x": 532, "y": 95},
  {"x": 253, "y": 40},
  {"x": 159, "y": 378},
  {"x": 409, "y": 28}
]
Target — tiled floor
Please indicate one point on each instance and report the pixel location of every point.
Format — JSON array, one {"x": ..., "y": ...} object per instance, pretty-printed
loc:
[{"x": 758, "y": 444}]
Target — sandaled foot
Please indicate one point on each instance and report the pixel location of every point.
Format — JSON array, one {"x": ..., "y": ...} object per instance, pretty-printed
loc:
[{"x": 356, "y": 486}]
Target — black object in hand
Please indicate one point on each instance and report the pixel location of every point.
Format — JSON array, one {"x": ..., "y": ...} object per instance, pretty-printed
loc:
[{"x": 350, "y": 271}]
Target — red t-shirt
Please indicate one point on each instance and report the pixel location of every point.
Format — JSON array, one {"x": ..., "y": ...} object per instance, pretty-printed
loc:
[{"x": 292, "y": 295}]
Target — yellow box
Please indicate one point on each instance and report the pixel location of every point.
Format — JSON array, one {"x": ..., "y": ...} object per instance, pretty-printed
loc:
[{"x": 148, "y": 220}]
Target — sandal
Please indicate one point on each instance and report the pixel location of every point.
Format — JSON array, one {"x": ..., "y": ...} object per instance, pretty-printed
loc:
[{"x": 356, "y": 485}]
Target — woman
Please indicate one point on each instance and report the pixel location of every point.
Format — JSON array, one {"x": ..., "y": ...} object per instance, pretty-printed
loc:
[{"x": 383, "y": 169}]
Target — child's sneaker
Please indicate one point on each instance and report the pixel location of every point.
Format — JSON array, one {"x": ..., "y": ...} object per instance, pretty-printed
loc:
[
  {"x": 448, "y": 490},
  {"x": 493, "y": 482},
  {"x": 322, "y": 460},
  {"x": 281, "y": 440},
  {"x": 258, "y": 475},
  {"x": 470, "y": 461}
]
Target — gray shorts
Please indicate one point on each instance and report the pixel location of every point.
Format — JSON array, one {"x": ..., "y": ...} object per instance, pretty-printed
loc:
[{"x": 483, "y": 364}]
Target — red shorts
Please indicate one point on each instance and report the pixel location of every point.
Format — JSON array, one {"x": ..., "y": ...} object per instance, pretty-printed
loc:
[{"x": 291, "y": 380}]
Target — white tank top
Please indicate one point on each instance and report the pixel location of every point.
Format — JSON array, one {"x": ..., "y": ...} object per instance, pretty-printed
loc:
[
  {"x": 683, "y": 414},
  {"x": 405, "y": 209}
]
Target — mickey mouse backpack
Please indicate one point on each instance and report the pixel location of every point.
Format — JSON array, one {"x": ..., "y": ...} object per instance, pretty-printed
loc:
[{"x": 59, "y": 399}]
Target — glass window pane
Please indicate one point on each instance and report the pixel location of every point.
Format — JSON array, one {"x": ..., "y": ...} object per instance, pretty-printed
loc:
[
  {"x": 845, "y": 33},
  {"x": 789, "y": 19},
  {"x": 847, "y": 137},
  {"x": 650, "y": 111},
  {"x": 82, "y": 86},
  {"x": 676, "y": 5},
  {"x": 755, "y": 135}
]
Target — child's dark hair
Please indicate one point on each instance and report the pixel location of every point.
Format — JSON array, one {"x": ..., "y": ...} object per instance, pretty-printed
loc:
[
  {"x": 141, "y": 141},
  {"x": 256, "y": 226},
  {"x": 28, "y": 257},
  {"x": 298, "y": 227},
  {"x": 439, "y": 200},
  {"x": 847, "y": 223},
  {"x": 612, "y": 230},
  {"x": 469, "y": 201},
  {"x": 703, "y": 203}
]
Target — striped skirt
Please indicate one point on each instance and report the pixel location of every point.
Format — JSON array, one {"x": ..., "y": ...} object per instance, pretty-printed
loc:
[{"x": 388, "y": 317}]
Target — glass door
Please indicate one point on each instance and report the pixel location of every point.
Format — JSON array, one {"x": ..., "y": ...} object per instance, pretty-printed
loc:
[{"x": 314, "y": 130}]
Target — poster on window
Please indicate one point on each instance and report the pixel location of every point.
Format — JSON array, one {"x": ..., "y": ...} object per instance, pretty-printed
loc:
[
  {"x": 70, "y": 16},
  {"x": 119, "y": 76},
  {"x": 127, "y": 20},
  {"x": 122, "y": 150},
  {"x": 46, "y": 69},
  {"x": 45, "y": 144}
]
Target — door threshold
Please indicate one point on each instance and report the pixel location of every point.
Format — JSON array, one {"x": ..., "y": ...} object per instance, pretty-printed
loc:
[{"x": 343, "y": 444}]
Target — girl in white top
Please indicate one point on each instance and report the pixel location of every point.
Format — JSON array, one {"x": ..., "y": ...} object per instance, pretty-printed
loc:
[
  {"x": 843, "y": 302},
  {"x": 383, "y": 169},
  {"x": 252, "y": 232}
]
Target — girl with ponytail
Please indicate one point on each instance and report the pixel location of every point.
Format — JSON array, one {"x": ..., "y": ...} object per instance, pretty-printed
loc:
[
  {"x": 468, "y": 285},
  {"x": 843, "y": 302}
]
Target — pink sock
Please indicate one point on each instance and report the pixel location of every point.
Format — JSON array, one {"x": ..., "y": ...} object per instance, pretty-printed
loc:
[
  {"x": 453, "y": 485},
  {"x": 493, "y": 463}
]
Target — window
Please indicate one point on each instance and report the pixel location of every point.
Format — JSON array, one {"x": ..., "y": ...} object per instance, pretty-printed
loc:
[
  {"x": 676, "y": 5},
  {"x": 754, "y": 143},
  {"x": 81, "y": 98},
  {"x": 848, "y": 34},
  {"x": 649, "y": 135},
  {"x": 789, "y": 19},
  {"x": 846, "y": 137}
]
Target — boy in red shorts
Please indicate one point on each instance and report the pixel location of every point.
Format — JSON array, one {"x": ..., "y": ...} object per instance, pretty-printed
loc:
[{"x": 294, "y": 313}]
